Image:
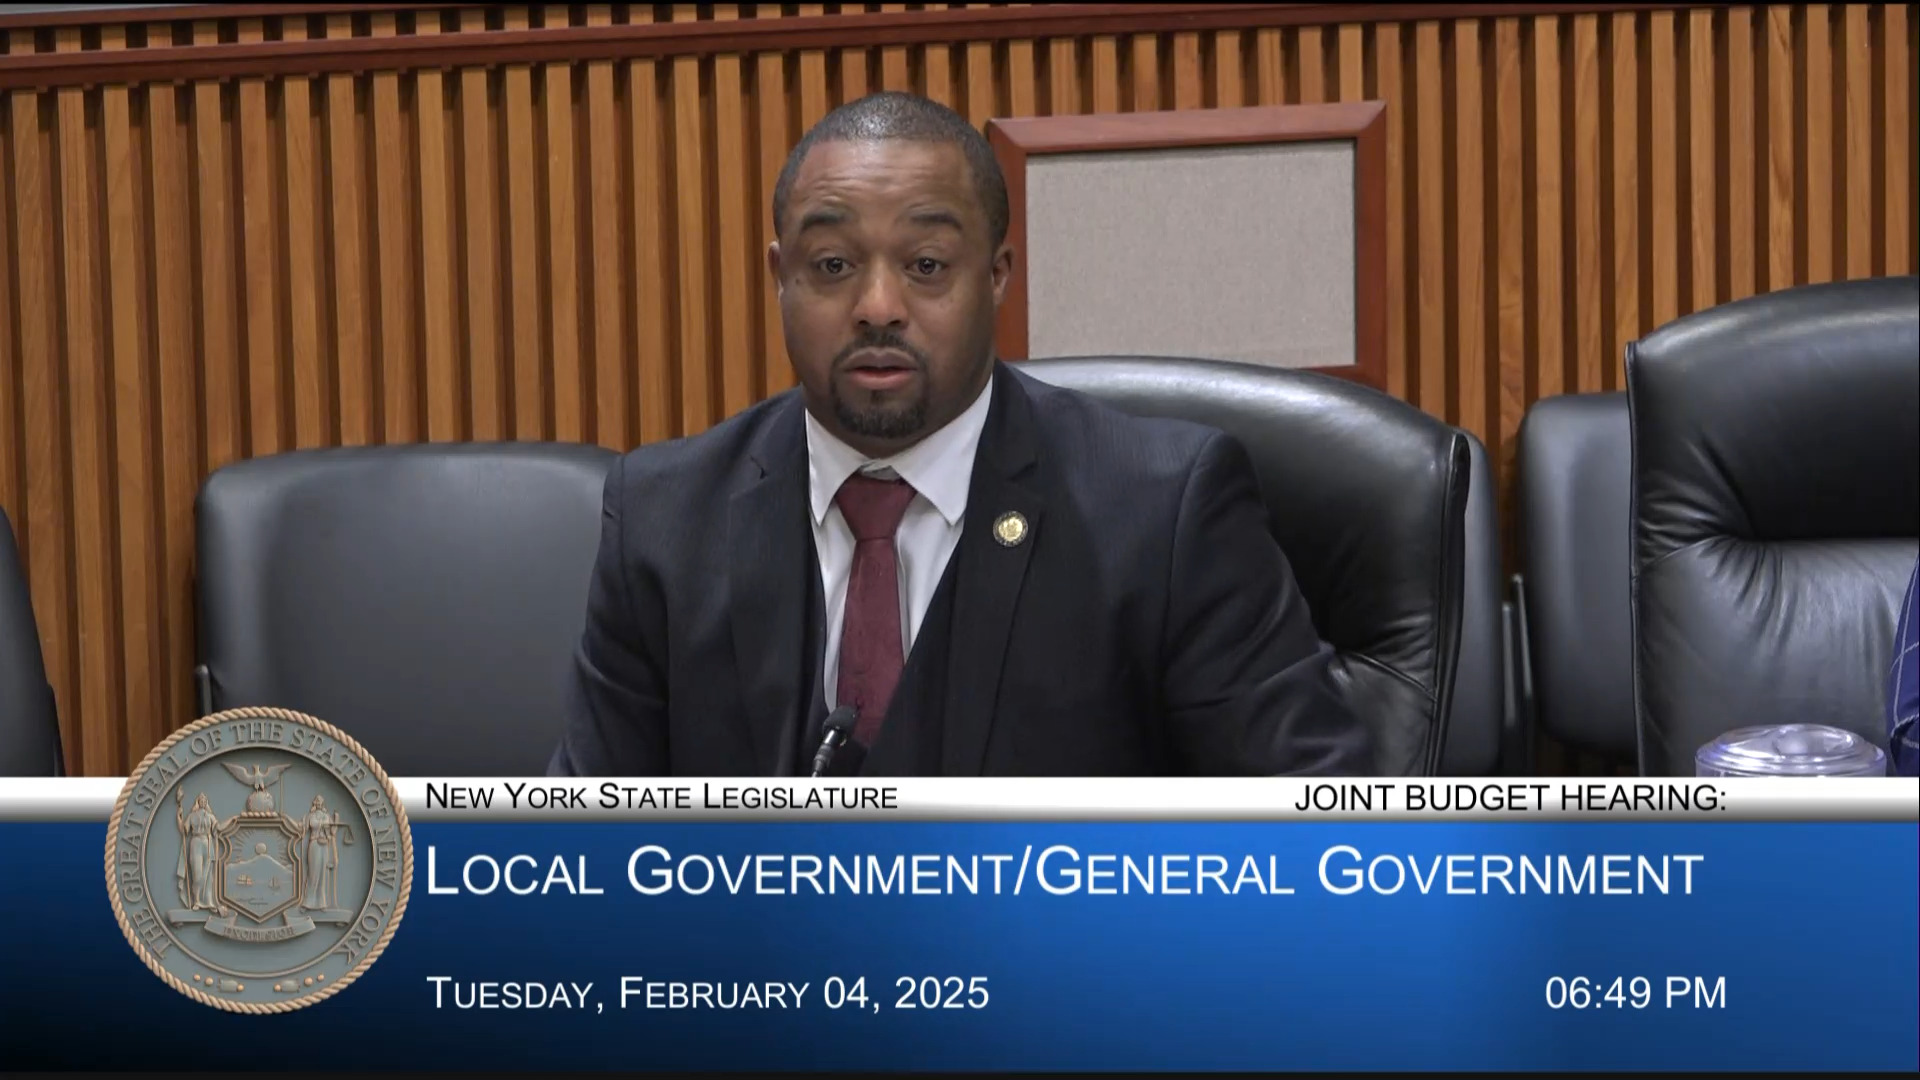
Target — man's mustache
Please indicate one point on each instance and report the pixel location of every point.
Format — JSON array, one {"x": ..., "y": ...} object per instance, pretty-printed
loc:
[{"x": 876, "y": 341}]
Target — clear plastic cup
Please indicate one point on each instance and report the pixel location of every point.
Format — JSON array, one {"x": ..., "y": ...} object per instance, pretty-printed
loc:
[{"x": 1790, "y": 750}]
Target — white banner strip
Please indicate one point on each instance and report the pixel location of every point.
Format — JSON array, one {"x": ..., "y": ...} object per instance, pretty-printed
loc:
[{"x": 1124, "y": 799}]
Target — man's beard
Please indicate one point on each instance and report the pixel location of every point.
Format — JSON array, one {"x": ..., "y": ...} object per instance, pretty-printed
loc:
[
  {"x": 897, "y": 418},
  {"x": 889, "y": 420}
]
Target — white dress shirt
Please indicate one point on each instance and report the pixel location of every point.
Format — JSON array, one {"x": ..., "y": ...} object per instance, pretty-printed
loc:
[{"x": 940, "y": 468}]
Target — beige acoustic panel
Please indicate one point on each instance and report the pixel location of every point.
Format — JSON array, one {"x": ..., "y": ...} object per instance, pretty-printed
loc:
[{"x": 1223, "y": 252}]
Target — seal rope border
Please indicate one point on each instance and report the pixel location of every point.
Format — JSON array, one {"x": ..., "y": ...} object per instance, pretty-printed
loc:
[{"x": 400, "y": 904}]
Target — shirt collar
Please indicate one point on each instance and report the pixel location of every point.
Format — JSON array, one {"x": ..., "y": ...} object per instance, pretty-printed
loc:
[{"x": 940, "y": 466}]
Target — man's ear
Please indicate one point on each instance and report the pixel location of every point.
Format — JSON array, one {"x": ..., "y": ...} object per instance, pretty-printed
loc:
[
  {"x": 1002, "y": 272},
  {"x": 773, "y": 267}
]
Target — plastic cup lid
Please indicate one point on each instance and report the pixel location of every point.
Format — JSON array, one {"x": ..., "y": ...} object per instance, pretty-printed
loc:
[{"x": 1791, "y": 750}]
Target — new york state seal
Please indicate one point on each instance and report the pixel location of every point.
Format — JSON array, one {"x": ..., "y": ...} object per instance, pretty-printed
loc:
[{"x": 259, "y": 860}]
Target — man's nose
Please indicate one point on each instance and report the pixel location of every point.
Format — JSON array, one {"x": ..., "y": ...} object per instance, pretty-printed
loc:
[{"x": 881, "y": 301}]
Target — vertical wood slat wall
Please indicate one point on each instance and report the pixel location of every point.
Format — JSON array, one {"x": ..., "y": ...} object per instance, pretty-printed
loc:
[{"x": 202, "y": 271}]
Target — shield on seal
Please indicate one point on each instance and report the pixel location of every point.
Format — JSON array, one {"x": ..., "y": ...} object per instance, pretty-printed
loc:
[{"x": 259, "y": 877}]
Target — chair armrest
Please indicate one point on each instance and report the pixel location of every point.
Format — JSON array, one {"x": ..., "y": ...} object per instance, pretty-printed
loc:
[
  {"x": 203, "y": 690},
  {"x": 1518, "y": 719}
]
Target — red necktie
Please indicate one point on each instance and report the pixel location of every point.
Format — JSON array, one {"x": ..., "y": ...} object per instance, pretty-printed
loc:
[{"x": 871, "y": 657}]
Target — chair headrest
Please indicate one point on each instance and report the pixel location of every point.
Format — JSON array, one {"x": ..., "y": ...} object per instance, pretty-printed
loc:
[{"x": 1788, "y": 416}]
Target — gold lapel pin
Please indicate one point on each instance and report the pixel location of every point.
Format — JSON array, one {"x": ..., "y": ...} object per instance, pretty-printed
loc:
[{"x": 1010, "y": 529}]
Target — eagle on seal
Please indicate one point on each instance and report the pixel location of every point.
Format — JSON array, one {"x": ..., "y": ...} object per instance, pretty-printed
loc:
[{"x": 257, "y": 777}]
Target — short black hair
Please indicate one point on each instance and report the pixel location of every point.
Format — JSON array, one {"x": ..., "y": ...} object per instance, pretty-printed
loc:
[{"x": 889, "y": 115}]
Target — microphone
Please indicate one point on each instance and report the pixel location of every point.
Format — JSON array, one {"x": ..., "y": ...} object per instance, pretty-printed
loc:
[{"x": 839, "y": 723}]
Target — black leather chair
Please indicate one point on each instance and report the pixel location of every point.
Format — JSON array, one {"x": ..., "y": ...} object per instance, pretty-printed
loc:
[
  {"x": 1367, "y": 497},
  {"x": 1776, "y": 506},
  {"x": 426, "y": 599},
  {"x": 29, "y": 723},
  {"x": 1572, "y": 595}
]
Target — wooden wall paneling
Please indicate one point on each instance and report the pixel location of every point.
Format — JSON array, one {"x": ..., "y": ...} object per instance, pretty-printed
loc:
[
  {"x": 46, "y": 531},
  {"x": 1063, "y": 77},
  {"x": 1469, "y": 279},
  {"x": 1897, "y": 207},
  {"x": 776, "y": 140},
  {"x": 895, "y": 73},
  {"x": 1817, "y": 216},
  {"x": 1856, "y": 53},
  {"x": 1189, "y": 73},
  {"x": 217, "y": 288},
  {"x": 1023, "y": 84},
  {"x": 482, "y": 299},
  {"x": 85, "y": 423},
  {"x": 855, "y": 66},
  {"x": 814, "y": 98},
  {"x": 13, "y": 455},
  {"x": 306, "y": 344},
  {"x": 1429, "y": 183},
  {"x": 1269, "y": 62},
  {"x": 653, "y": 257},
  {"x": 936, "y": 72},
  {"x": 1108, "y": 90},
  {"x": 1548, "y": 192},
  {"x": 694, "y": 247},
  {"x": 524, "y": 259},
  {"x": 494, "y": 241},
  {"x": 1783, "y": 216},
  {"x": 740, "y": 284},
  {"x": 395, "y": 219},
  {"x": 1229, "y": 72},
  {"x": 350, "y": 254},
  {"x": 773, "y": 29},
  {"x": 444, "y": 379},
  {"x": 1311, "y": 52},
  {"x": 1353, "y": 63},
  {"x": 178, "y": 450},
  {"x": 564, "y": 361},
  {"x": 1663, "y": 100},
  {"x": 981, "y": 83},
  {"x": 143, "y": 706},
  {"x": 1742, "y": 225},
  {"x": 1588, "y": 277},
  {"x": 261, "y": 260},
  {"x": 1146, "y": 82},
  {"x": 607, "y": 374},
  {"x": 1628, "y": 207},
  {"x": 1391, "y": 88},
  {"x": 1510, "y": 230},
  {"x": 1703, "y": 80},
  {"x": 527, "y": 256}
]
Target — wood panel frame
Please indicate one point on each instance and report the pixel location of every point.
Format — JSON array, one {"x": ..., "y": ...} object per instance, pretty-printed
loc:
[
  {"x": 1362, "y": 123},
  {"x": 681, "y": 38}
]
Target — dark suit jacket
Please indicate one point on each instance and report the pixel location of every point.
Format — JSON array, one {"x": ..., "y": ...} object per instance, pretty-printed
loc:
[{"x": 1148, "y": 625}]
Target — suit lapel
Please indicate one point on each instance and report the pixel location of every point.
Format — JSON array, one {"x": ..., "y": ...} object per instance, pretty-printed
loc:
[
  {"x": 990, "y": 574},
  {"x": 770, "y": 554}
]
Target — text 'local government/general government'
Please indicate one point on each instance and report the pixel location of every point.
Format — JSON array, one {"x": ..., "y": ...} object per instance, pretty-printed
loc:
[{"x": 1063, "y": 870}]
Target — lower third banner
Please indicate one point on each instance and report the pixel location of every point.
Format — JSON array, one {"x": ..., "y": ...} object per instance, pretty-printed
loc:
[{"x": 1008, "y": 946}]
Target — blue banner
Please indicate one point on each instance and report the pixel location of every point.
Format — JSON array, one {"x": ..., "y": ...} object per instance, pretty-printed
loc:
[{"x": 1046, "y": 946}]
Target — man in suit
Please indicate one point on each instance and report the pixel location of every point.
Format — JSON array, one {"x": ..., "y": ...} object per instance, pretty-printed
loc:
[{"x": 1000, "y": 577}]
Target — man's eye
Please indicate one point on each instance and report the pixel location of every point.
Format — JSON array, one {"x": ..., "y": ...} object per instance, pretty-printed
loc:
[
  {"x": 927, "y": 267},
  {"x": 832, "y": 265}
]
